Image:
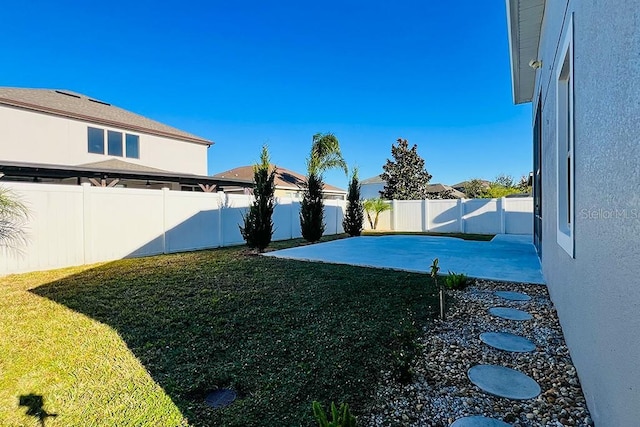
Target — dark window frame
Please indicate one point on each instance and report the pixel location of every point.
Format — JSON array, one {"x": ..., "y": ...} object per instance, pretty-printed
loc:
[
  {"x": 131, "y": 153},
  {"x": 115, "y": 147},
  {"x": 93, "y": 133}
]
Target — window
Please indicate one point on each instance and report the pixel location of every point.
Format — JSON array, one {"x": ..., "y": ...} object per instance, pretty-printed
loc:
[
  {"x": 565, "y": 143},
  {"x": 114, "y": 143},
  {"x": 132, "y": 146},
  {"x": 95, "y": 137}
]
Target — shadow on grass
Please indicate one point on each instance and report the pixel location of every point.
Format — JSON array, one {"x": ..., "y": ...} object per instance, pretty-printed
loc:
[
  {"x": 281, "y": 333},
  {"x": 35, "y": 407}
]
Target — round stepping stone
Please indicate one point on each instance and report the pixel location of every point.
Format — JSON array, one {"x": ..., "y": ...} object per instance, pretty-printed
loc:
[
  {"x": 479, "y": 421},
  {"x": 504, "y": 382},
  {"x": 512, "y": 296},
  {"x": 220, "y": 398},
  {"x": 510, "y": 313},
  {"x": 507, "y": 342}
]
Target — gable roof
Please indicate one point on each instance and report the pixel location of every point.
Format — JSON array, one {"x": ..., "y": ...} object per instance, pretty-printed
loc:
[
  {"x": 285, "y": 178},
  {"x": 81, "y": 107},
  {"x": 524, "y": 21},
  {"x": 373, "y": 180},
  {"x": 122, "y": 166}
]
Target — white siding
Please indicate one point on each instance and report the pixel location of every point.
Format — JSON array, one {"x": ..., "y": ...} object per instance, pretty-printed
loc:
[{"x": 34, "y": 137}]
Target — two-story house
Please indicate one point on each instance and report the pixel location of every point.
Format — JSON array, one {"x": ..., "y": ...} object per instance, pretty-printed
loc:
[{"x": 65, "y": 137}]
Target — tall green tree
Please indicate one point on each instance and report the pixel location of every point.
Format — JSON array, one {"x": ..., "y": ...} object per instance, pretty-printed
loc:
[
  {"x": 13, "y": 217},
  {"x": 258, "y": 223},
  {"x": 502, "y": 186},
  {"x": 352, "y": 222},
  {"x": 405, "y": 175},
  {"x": 311, "y": 209},
  {"x": 325, "y": 154},
  {"x": 474, "y": 188}
]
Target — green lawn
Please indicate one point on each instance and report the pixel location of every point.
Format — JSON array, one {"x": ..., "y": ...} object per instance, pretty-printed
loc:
[{"x": 140, "y": 341}]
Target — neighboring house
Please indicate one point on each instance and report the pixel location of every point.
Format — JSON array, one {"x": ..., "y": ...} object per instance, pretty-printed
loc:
[
  {"x": 287, "y": 182},
  {"x": 373, "y": 187},
  {"x": 66, "y": 137},
  {"x": 461, "y": 186},
  {"x": 578, "y": 63}
]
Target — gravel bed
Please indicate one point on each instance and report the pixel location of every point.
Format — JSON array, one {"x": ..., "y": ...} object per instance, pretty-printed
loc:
[{"x": 440, "y": 391}]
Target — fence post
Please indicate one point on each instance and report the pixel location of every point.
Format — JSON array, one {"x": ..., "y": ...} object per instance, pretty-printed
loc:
[
  {"x": 425, "y": 215},
  {"x": 291, "y": 218},
  {"x": 165, "y": 195},
  {"x": 394, "y": 211},
  {"x": 502, "y": 206},
  {"x": 221, "y": 209},
  {"x": 461, "y": 214},
  {"x": 86, "y": 222}
]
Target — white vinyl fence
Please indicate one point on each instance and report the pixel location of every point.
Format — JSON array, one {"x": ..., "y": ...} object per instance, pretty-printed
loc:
[
  {"x": 478, "y": 216},
  {"x": 490, "y": 216},
  {"x": 75, "y": 225}
]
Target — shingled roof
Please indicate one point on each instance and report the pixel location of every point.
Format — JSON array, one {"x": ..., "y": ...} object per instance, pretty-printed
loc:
[
  {"x": 77, "y": 106},
  {"x": 285, "y": 178}
]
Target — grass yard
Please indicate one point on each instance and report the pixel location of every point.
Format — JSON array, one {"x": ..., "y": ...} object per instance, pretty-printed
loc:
[{"x": 140, "y": 341}]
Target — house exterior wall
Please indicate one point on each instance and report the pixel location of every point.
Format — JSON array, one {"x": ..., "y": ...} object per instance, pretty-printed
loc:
[
  {"x": 371, "y": 191},
  {"x": 597, "y": 293},
  {"x": 34, "y": 137}
]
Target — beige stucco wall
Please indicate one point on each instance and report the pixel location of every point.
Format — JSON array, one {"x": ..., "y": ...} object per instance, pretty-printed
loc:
[{"x": 27, "y": 136}]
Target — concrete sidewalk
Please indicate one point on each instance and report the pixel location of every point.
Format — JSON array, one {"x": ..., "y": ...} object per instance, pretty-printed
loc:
[{"x": 509, "y": 258}]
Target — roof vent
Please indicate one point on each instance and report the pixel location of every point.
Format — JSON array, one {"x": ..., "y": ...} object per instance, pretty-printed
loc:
[
  {"x": 99, "y": 102},
  {"x": 67, "y": 93}
]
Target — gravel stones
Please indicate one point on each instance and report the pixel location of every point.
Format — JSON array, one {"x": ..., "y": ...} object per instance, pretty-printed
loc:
[{"x": 440, "y": 392}]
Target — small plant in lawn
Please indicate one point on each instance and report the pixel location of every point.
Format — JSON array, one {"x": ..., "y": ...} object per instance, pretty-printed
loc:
[
  {"x": 354, "y": 216},
  {"x": 434, "y": 274},
  {"x": 341, "y": 417},
  {"x": 258, "y": 225},
  {"x": 456, "y": 281}
]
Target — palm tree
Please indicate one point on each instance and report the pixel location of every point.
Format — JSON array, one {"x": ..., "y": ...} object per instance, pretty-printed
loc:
[
  {"x": 325, "y": 154},
  {"x": 377, "y": 206},
  {"x": 13, "y": 215}
]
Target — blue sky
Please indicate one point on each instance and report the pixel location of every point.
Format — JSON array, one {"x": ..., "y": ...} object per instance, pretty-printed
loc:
[{"x": 246, "y": 73}]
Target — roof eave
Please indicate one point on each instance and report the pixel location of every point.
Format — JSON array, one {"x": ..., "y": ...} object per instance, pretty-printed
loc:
[
  {"x": 522, "y": 75},
  {"x": 105, "y": 122}
]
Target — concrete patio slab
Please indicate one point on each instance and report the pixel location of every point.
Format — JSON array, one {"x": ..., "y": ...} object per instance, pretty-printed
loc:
[
  {"x": 507, "y": 342},
  {"x": 504, "y": 382},
  {"x": 509, "y": 258},
  {"x": 479, "y": 421}
]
